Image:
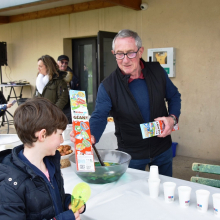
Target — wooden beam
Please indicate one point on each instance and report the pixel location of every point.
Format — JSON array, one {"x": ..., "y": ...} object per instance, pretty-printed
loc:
[
  {"x": 86, "y": 6},
  {"x": 4, "y": 19},
  {"x": 133, "y": 4},
  {"x": 28, "y": 5}
]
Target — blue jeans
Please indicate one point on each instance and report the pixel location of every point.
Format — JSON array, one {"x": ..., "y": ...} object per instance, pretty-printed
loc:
[{"x": 163, "y": 161}]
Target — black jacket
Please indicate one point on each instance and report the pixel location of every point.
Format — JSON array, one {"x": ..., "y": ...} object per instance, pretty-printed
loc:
[
  {"x": 127, "y": 115},
  {"x": 74, "y": 83},
  {"x": 23, "y": 194}
]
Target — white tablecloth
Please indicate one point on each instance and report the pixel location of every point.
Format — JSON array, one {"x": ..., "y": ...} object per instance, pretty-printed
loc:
[
  {"x": 9, "y": 141},
  {"x": 128, "y": 199},
  {"x": 107, "y": 140}
]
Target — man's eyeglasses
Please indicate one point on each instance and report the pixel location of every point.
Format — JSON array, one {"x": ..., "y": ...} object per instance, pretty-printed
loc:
[
  {"x": 64, "y": 62},
  {"x": 130, "y": 55}
]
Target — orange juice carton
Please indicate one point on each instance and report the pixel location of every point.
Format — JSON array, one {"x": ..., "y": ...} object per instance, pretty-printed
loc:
[
  {"x": 154, "y": 128},
  {"x": 81, "y": 129}
]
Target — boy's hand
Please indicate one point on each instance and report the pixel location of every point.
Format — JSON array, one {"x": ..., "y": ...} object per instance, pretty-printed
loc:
[
  {"x": 77, "y": 216},
  {"x": 81, "y": 209}
]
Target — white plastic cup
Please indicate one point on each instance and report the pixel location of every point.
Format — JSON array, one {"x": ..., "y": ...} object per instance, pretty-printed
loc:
[
  {"x": 184, "y": 195},
  {"x": 154, "y": 174},
  {"x": 216, "y": 204},
  {"x": 202, "y": 197},
  {"x": 169, "y": 191},
  {"x": 154, "y": 187}
]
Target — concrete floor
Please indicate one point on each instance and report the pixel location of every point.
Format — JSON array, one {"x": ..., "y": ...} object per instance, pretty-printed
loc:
[{"x": 182, "y": 166}]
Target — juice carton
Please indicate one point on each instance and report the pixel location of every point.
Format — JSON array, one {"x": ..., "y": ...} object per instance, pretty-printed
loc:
[
  {"x": 154, "y": 128},
  {"x": 81, "y": 129}
]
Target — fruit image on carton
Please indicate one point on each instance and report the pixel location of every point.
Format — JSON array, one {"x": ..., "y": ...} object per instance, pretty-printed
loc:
[
  {"x": 81, "y": 129},
  {"x": 154, "y": 128}
]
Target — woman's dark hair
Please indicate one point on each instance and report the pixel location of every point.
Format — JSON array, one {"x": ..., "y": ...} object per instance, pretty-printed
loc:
[{"x": 51, "y": 65}]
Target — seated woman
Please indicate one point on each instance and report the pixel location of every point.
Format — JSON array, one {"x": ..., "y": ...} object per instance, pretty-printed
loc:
[
  {"x": 3, "y": 104},
  {"x": 50, "y": 83}
]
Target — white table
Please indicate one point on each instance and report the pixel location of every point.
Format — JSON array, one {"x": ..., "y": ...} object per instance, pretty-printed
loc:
[
  {"x": 9, "y": 141},
  {"x": 13, "y": 90},
  {"x": 128, "y": 199},
  {"x": 108, "y": 139}
]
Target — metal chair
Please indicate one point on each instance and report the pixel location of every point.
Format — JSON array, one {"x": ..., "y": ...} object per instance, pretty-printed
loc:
[
  {"x": 205, "y": 168},
  {"x": 4, "y": 115},
  {"x": 5, "y": 121}
]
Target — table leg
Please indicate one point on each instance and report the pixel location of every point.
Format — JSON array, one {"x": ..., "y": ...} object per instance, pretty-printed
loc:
[
  {"x": 9, "y": 95},
  {"x": 15, "y": 94},
  {"x": 21, "y": 92}
]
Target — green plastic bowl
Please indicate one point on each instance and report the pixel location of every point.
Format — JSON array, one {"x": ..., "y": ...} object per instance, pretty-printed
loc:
[{"x": 106, "y": 174}]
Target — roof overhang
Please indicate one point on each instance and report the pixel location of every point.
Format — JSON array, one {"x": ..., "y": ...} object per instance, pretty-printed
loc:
[{"x": 28, "y": 11}]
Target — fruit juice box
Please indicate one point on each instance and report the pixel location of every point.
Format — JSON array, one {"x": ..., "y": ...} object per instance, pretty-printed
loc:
[
  {"x": 154, "y": 128},
  {"x": 81, "y": 129}
]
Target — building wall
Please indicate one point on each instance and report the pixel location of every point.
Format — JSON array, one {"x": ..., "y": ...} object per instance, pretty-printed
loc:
[{"x": 192, "y": 27}]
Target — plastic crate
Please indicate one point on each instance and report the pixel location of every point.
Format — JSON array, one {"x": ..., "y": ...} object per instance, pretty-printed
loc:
[{"x": 174, "y": 144}]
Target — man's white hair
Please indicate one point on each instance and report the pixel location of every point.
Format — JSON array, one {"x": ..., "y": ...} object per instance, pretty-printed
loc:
[{"x": 127, "y": 33}]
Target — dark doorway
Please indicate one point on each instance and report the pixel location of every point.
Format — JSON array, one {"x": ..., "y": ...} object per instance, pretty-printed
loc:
[
  {"x": 92, "y": 62},
  {"x": 84, "y": 65},
  {"x": 106, "y": 61}
]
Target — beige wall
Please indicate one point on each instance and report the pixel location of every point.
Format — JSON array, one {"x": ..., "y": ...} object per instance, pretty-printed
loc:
[{"x": 192, "y": 27}]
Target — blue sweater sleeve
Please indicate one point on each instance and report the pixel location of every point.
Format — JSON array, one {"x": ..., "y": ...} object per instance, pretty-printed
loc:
[
  {"x": 173, "y": 97},
  {"x": 99, "y": 116},
  {"x": 67, "y": 201},
  {"x": 3, "y": 107},
  {"x": 67, "y": 215}
]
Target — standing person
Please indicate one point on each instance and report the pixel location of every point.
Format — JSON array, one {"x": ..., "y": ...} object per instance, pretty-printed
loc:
[
  {"x": 62, "y": 62},
  {"x": 30, "y": 175},
  {"x": 133, "y": 94},
  {"x": 50, "y": 82}
]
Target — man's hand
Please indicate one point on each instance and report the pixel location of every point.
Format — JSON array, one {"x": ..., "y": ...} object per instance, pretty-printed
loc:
[
  {"x": 168, "y": 123},
  {"x": 72, "y": 138}
]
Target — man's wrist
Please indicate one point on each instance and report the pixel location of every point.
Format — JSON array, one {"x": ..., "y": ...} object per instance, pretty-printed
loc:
[{"x": 174, "y": 119}]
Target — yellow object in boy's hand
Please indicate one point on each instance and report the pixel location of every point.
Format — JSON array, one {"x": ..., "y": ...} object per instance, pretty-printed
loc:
[
  {"x": 77, "y": 204},
  {"x": 80, "y": 196}
]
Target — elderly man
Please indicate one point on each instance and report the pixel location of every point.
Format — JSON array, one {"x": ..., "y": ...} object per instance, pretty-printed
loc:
[{"x": 133, "y": 94}]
